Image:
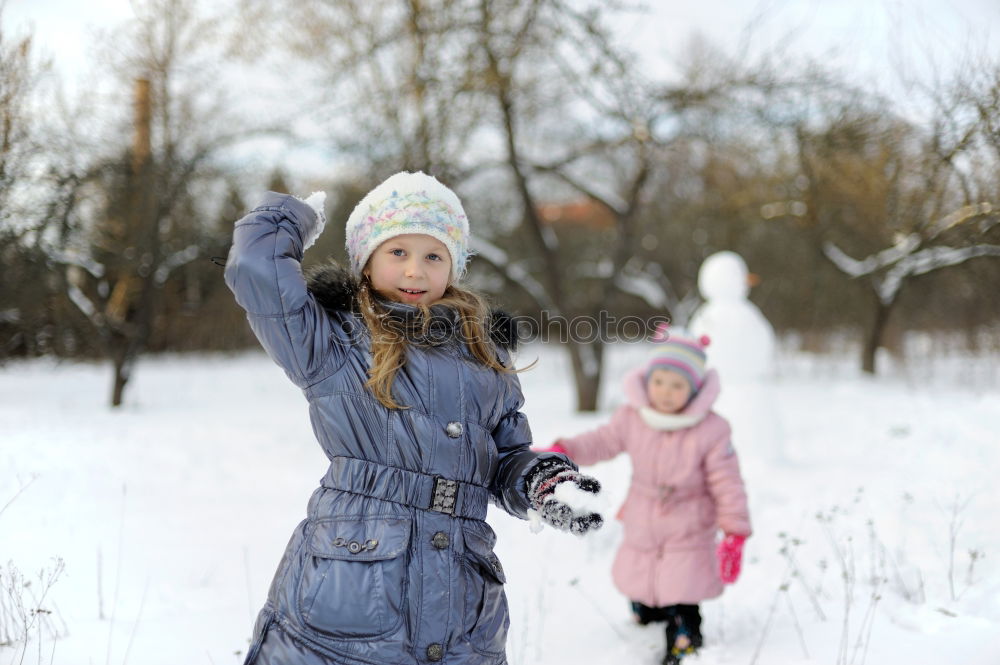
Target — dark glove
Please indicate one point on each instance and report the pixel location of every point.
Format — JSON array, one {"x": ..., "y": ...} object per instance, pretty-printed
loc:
[{"x": 542, "y": 484}]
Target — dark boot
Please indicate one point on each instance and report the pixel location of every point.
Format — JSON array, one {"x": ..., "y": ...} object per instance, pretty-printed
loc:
[
  {"x": 675, "y": 649},
  {"x": 690, "y": 616},
  {"x": 670, "y": 659},
  {"x": 645, "y": 615},
  {"x": 680, "y": 635}
]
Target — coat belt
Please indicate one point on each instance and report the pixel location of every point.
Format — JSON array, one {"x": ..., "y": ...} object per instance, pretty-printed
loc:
[{"x": 409, "y": 488}]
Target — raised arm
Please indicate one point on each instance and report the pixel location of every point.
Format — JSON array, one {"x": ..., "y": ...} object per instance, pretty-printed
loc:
[{"x": 264, "y": 273}]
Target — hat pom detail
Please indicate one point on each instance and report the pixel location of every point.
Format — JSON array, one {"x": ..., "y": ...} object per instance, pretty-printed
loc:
[
  {"x": 662, "y": 332},
  {"x": 683, "y": 355},
  {"x": 705, "y": 341}
]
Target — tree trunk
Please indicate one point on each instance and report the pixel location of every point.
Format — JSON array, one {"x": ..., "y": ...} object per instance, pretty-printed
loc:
[
  {"x": 121, "y": 374},
  {"x": 136, "y": 286},
  {"x": 875, "y": 335},
  {"x": 587, "y": 369},
  {"x": 119, "y": 388}
]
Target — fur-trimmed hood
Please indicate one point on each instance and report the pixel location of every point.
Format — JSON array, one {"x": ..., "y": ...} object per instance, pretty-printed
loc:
[{"x": 336, "y": 290}]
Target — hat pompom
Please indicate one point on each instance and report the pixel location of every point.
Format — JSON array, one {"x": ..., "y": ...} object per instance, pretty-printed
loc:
[{"x": 705, "y": 341}]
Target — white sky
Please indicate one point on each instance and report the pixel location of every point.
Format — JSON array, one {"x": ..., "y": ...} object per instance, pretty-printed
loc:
[
  {"x": 62, "y": 27},
  {"x": 862, "y": 35},
  {"x": 870, "y": 39}
]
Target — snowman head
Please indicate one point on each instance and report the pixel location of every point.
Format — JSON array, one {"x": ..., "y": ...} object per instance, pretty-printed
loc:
[{"x": 723, "y": 276}]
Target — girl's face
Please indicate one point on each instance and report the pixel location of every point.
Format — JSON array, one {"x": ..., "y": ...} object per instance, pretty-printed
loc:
[
  {"x": 413, "y": 268},
  {"x": 668, "y": 391}
]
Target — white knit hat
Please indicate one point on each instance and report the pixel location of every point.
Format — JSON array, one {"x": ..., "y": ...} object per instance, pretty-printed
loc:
[{"x": 408, "y": 203}]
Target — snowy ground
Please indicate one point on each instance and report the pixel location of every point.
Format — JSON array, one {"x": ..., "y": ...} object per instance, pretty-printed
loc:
[{"x": 170, "y": 516}]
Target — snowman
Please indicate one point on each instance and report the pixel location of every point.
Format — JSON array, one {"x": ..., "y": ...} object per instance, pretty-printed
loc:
[{"x": 742, "y": 351}]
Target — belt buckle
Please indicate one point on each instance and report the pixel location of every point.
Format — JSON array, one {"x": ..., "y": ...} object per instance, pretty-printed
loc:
[{"x": 444, "y": 495}]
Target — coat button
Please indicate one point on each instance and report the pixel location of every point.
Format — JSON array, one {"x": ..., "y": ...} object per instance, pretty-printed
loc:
[
  {"x": 440, "y": 540},
  {"x": 435, "y": 652},
  {"x": 454, "y": 429}
]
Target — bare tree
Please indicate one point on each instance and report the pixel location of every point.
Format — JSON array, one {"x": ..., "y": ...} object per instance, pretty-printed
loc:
[
  {"x": 146, "y": 224},
  {"x": 904, "y": 193},
  {"x": 524, "y": 103},
  {"x": 19, "y": 74},
  {"x": 391, "y": 76},
  {"x": 25, "y": 327},
  {"x": 523, "y": 69},
  {"x": 532, "y": 98}
]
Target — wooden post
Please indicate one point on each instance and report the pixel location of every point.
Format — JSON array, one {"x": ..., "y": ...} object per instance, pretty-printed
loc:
[
  {"x": 142, "y": 144},
  {"x": 127, "y": 306}
]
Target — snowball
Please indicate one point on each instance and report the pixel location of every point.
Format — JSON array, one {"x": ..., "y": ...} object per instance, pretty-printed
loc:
[{"x": 579, "y": 501}]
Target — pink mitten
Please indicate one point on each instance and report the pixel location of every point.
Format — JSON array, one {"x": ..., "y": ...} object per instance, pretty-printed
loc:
[
  {"x": 554, "y": 448},
  {"x": 730, "y": 555}
]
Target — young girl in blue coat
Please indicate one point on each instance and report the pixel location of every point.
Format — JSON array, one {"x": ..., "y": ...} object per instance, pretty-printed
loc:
[{"x": 414, "y": 400}]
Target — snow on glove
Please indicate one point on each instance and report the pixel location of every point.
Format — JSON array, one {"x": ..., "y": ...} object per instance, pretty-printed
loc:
[
  {"x": 559, "y": 493},
  {"x": 315, "y": 201},
  {"x": 730, "y": 555}
]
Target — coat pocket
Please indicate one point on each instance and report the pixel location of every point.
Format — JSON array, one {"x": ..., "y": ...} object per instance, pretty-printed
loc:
[
  {"x": 486, "y": 615},
  {"x": 263, "y": 623},
  {"x": 354, "y": 576}
]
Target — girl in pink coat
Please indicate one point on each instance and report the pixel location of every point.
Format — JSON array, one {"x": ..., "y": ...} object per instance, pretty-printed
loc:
[{"x": 686, "y": 485}]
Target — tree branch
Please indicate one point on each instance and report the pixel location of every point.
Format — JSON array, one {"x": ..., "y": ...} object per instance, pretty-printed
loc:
[{"x": 514, "y": 273}]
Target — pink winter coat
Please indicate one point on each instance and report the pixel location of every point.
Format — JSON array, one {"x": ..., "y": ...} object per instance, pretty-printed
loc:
[{"x": 686, "y": 484}]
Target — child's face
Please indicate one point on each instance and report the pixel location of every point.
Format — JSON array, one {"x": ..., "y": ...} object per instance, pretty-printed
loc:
[
  {"x": 668, "y": 390},
  {"x": 413, "y": 268}
]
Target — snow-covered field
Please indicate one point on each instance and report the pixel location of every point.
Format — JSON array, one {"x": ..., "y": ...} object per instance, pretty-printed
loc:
[{"x": 877, "y": 535}]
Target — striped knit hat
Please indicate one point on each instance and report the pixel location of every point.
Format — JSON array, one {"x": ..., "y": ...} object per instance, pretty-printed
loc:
[
  {"x": 682, "y": 355},
  {"x": 408, "y": 203}
]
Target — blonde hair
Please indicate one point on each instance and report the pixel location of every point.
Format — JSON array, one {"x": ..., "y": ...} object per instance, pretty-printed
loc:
[{"x": 389, "y": 341}]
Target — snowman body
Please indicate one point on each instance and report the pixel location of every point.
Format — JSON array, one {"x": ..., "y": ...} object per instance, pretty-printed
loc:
[{"x": 742, "y": 351}]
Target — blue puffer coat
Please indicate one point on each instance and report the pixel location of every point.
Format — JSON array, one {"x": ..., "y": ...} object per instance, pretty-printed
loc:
[{"x": 394, "y": 564}]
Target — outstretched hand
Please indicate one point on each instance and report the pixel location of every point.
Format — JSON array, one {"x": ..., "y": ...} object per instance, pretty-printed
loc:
[{"x": 560, "y": 494}]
